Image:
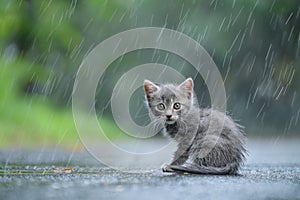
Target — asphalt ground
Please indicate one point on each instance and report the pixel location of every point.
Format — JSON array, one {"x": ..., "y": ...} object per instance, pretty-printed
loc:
[{"x": 272, "y": 171}]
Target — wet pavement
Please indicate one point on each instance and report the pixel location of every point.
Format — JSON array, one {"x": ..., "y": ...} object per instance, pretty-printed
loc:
[{"x": 272, "y": 171}]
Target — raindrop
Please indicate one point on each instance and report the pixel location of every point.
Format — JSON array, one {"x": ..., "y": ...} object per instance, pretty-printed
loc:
[
  {"x": 297, "y": 116},
  {"x": 234, "y": 41},
  {"x": 260, "y": 110},
  {"x": 288, "y": 19}
]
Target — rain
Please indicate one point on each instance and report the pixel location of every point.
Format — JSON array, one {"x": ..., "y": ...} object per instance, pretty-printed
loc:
[{"x": 45, "y": 45}]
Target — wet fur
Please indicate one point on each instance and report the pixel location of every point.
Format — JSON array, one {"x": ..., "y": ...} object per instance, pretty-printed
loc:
[{"x": 225, "y": 150}]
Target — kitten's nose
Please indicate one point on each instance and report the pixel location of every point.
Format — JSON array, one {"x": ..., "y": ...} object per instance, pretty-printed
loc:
[{"x": 169, "y": 116}]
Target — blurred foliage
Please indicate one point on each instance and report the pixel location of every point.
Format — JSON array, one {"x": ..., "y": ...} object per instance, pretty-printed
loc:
[{"x": 254, "y": 43}]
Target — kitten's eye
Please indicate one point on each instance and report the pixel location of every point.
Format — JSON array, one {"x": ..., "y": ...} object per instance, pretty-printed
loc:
[
  {"x": 161, "y": 106},
  {"x": 176, "y": 106}
]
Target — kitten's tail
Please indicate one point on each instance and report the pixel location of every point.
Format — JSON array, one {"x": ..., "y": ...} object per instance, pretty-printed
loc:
[{"x": 230, "y": 169}]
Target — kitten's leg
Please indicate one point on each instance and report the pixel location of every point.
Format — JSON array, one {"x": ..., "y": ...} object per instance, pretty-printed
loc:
[
  {"x": 166, "y": 168},
  {"x": 180, "y": 156}
]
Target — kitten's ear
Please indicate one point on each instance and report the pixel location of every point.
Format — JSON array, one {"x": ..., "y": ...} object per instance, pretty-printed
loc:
[
  {"x": 150, "y": 87},
  {"x": 187, "y": 87}
]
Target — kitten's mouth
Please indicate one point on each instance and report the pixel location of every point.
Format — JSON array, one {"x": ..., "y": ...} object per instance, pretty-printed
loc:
[{"x": 169, "y": 121}]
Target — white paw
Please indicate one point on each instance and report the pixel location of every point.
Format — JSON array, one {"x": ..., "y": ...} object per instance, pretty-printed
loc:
[{"x": 166, "y": 168}]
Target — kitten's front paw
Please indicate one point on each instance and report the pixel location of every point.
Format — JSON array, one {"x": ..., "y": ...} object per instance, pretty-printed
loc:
[{"x": 166, "y": 168}]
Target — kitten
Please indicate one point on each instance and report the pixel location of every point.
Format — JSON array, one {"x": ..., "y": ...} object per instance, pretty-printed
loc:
[{"x": 199, "y": 151}]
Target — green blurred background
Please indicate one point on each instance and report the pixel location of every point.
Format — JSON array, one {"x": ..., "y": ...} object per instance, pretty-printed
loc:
[{"x": 254, "y": 43}]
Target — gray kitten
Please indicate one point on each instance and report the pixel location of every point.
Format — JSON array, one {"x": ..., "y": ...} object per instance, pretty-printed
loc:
[{"x": 200, "y": 150}]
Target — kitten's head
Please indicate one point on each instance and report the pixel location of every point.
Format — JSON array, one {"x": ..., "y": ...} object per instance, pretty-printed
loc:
[{"x": 169, "y": 102}]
